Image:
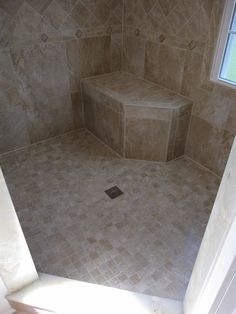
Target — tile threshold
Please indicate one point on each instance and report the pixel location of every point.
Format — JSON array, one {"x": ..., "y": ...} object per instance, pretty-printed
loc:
[{"x": 61, "y": 295}]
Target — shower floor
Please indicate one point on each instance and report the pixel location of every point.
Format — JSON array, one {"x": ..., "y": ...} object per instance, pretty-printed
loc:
[{"x": 146, "y": 240}]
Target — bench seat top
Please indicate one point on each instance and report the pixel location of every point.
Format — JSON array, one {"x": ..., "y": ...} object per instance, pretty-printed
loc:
[{"x": 129, "y": 90}]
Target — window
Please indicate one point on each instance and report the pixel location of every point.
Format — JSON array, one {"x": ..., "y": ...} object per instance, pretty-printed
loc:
[{"x": 224, "y": 63}]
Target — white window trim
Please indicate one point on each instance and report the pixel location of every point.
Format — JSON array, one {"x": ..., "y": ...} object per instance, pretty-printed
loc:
[{"x": 221, "y": 45}]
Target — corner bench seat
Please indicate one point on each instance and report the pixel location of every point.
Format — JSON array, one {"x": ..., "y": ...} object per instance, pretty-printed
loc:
[{"x": 136, "y": 118}]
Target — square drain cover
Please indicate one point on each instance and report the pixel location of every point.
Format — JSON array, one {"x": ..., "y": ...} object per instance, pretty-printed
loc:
[{"x": 114, "y": 192}]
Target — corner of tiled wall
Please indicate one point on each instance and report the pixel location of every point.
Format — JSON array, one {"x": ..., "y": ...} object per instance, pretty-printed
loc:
[
  {"x": 172, "y": 44},
  {"x": 46, "y": 47}
]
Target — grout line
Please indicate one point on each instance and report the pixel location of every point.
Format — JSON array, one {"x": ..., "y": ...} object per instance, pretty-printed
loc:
[
  {"x": 122, "y": 27},
  {"x": 104, "y": 144},
  {"x": 203, "y": 167},
  {"x": 188, "y": 131},
  {"x": 41, "y": 142},
  {"x": 82, "y": 103}
]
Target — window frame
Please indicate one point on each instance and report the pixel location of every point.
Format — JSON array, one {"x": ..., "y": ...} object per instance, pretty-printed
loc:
[{"x": 229, "y": 10}]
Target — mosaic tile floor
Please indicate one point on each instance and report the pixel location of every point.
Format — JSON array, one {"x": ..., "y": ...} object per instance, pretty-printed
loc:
[{"x": 145, "y": 240}]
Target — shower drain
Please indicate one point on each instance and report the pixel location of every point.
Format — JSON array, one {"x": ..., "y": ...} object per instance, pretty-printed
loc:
[{"x": 114, "y": 192}]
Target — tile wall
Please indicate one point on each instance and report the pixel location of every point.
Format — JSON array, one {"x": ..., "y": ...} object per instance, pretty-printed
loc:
[
  {"x": 171, "y": 43},
  {"x": 46, "y": 46}
]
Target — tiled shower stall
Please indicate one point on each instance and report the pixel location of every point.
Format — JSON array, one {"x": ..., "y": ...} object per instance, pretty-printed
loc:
[{"x": 113, "y": 93}]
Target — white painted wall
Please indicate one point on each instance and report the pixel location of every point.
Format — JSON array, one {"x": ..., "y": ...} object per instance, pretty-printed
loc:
[
  {"x": 218, "y": 248},
  {"x": 227, "y": 304},
  {"x": 16, "y": 265},
  {"x": 4, "y": 305}
]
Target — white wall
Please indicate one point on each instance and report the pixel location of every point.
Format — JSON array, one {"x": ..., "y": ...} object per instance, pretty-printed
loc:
[
  {"x": 16, "y": 265},
  {"x": 4, "y": 305},
  {"x": 218, "y": 248}
]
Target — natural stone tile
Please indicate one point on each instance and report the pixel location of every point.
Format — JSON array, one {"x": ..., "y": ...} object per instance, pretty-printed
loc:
[
  {"x": 177, "y": 18},
  {"x": 181, "y": 37},
  {"x": 41, "y": 68},
  {"x": 143, "y": 102},
  {"x": 73, "y": 61},
  {"x": 216, "y": 14},
  {"x": 171, "y": 66},
  {"x": 140, "y": 241},
  {"x": 134, "y": 55},
  {"x": 212, "y": 107},
  {"x": 102, "y": 12},
  {"x": 167, "y": 5},
  {"x": 49, "y": 117},
  {"x": 151, "y": 61},
  {"x": 39, "y": 6},
  {"x": 5, "y": 20},
  {"x": 204, "y": 143},
  {"x": 26, "y": 26},
  {"x": 67, "y": 5},
  {"x": 13, "y": 129},
  {"x": 148, "y": 4},
  {"x": 80, "y": 14},
  {"x": 116, "y": 52},
  {"x": 178, "y": 133},
  {"x": 192, "y": 73},
  {"x": 55, "y": 15},
  {"x": 146, "y": 138},
  {"x": 230, "y": 124},
  {"x": 77, "y": 109},
  {"x": 164, "y": 65},
  {"x": 156, "y": 22},
  {"x": 104, "y": 122},
  {"x": 96, "y": 55},
  {"x": 226, "y": 145},
  {"x": 11, "y": 7},
  {"x": 134, "y": 13}
]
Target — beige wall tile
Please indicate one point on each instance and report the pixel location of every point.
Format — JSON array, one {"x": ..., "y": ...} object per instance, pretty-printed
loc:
[
  {"x": 14, "y": 133},
  {"x": 34, "y": 77},
  {"x": 164, "y": 65},
  {"x": 95, "y": 55},
  {"x": 77, "y": 109},
  {"x": 134, "y": 55},
  {"x": 100, "y": 118},
  {"x": 192, "y": 26},
  {"x": 146, "y": 139},
  {"x": 204, "y": 143}
]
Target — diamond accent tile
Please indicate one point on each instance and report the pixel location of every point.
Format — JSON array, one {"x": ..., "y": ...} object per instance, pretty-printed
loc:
[{"x": 44, "y": 37}]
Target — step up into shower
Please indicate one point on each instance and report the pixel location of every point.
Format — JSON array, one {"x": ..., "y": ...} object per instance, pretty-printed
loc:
[{"x": 136, "y": 118}]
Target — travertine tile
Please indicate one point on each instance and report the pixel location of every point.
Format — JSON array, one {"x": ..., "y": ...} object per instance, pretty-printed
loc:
[
  {"x": 180, "y": 41},
  {"x": 104, "y": 118},
  {"x": 39, "y": 6},
  {"x": 96, "y": 55},
  {"x": 36, "y": 33},
  {"x": 146, "y": 138},
  {"x": 167, "y": 64},
  {"x": 54, "y": 117},
  {"x": 204, "y": 143},
  {"x": 55, "y": 15},
  {"x": 192, "y": 74},
  {"x": 77, "y": 109},
  {"x": 143, "y": 241},
  {"x": 14, "y": 132},
  {"x": 134, "y": 55},
  {"x": 67, "y": 5},
  {"x": 116, "y": 52},
  {"x": 80, "y": 14},
  {"x": 11, "y": 7},
  {"x": 154, "y": 118}
]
